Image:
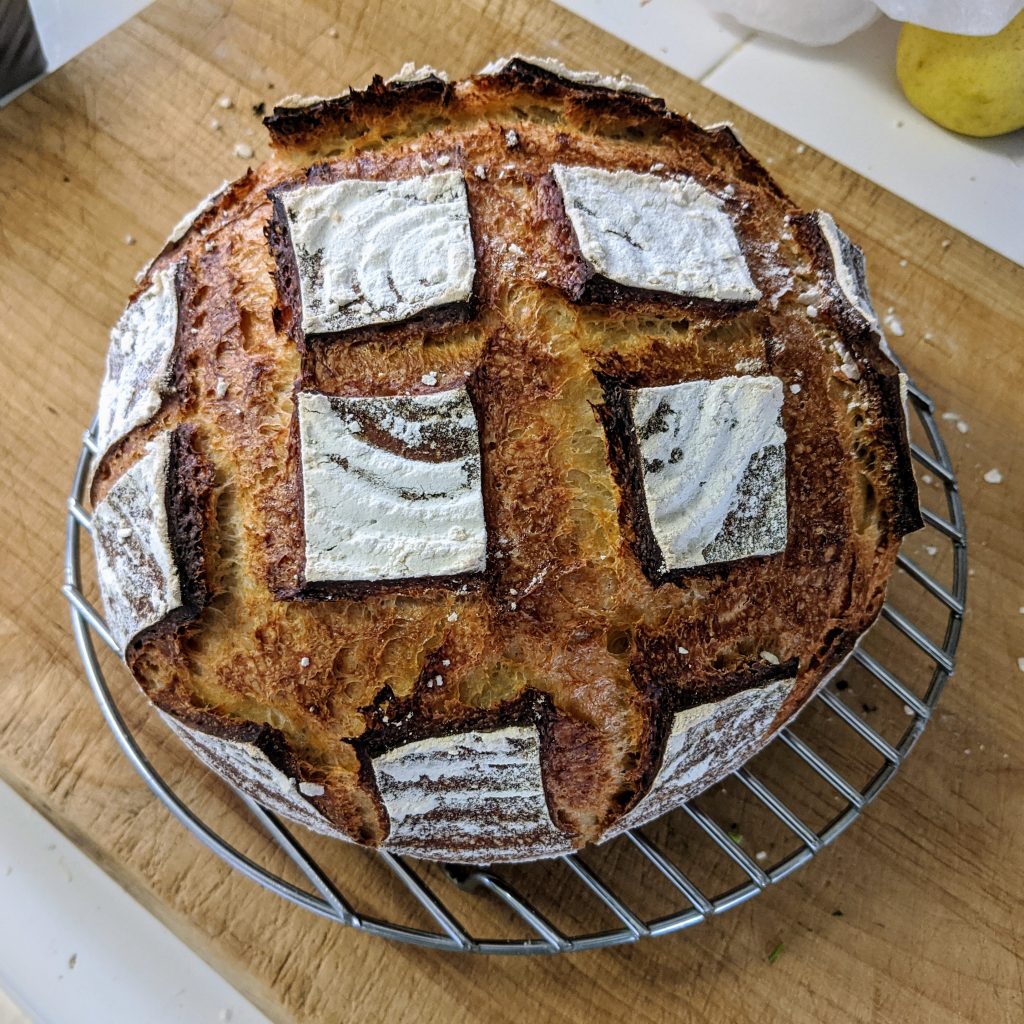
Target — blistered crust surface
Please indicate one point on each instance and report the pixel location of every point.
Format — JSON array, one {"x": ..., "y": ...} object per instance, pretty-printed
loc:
[{"x": 568, "y": 625}]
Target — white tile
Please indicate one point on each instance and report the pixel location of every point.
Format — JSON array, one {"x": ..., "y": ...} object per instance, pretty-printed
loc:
[
  {"x": 844, "y": 101},
  {"x": 679, "y": 33},
  {"x": 74, "y": 946},
  {"x": 66, "y": 27}
]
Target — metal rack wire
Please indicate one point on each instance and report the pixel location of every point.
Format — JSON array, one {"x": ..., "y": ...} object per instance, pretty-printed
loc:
[{"x": 645, "y": 882}]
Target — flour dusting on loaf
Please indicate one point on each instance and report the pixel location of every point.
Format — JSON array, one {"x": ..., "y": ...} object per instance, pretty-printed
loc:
[
  {"x": 481, "y": 791},
  {"x": 498, "y": 465},
  {"x": 655, "y": 233},
  {"x": 391, "y": 487},
  {"x": 137, "y": 571},
  {"x": 704, "y": 745},
  {"x": 714, "y": 464},
  {"x": 139, "y": 360},
  {"x": 371, "y": 252}
]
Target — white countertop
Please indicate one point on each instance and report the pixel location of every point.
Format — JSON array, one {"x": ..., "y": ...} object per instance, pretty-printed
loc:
[{"x": 75, "y": 947}]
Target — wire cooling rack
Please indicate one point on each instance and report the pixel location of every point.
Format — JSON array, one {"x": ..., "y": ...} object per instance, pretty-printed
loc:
[{"x": 752, "y": 830}]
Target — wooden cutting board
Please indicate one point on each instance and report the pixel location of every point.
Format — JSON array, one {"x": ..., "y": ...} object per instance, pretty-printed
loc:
[{"x": 119, "y": 143}]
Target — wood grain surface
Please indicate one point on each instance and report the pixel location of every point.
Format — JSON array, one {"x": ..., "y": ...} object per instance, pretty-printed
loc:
[{"x": 119, "y": 143}]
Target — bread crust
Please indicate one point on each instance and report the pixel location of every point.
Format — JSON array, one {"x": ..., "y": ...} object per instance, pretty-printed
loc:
[{"x": 568, "y": 630}]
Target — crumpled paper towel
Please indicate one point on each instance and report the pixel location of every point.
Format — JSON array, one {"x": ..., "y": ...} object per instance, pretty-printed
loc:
[{"x": 820, "y": 22}]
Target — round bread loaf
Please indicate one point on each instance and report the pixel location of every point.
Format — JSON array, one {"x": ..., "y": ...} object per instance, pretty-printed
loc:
[{"x": 496, "y": 466}]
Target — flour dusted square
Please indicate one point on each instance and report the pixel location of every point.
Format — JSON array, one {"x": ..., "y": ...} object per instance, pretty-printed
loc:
[
  {"x": 139, "y": 361},
  {"x": 705, "y": 744},
  {"x": 391, "y": 487},
  {"x": 378, "y": 252},
  {"x": 659, "y": 234},
  {"x": 482, "y": 790},
  {"x": 714, "y": 468},
  {"x": 137, "y": 572}
]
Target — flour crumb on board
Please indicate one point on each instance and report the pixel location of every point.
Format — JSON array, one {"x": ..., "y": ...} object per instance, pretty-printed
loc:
[{"x": 993, "y": 476}]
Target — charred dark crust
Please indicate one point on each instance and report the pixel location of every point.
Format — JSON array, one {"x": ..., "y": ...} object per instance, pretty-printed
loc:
[
  {"x": 616, "y": 417},
  {"x": 188, "y": 498},
  {"x": 521, "y": 74},
  {"x": 865, "y": 343},
  {"x": 753, "y": 173},
  {"x": 905, "y": 509},
  {"x": 289, "y": 125},
  {"x": 603, "y": 291},
  {"x": 288, "y": 311}
]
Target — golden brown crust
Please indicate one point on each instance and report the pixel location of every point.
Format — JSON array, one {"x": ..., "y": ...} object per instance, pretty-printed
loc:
[{"x": 566, "y": 629}]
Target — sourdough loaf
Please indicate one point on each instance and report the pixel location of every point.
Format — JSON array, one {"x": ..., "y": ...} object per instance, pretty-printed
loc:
[{"x": 496, "y": 466}]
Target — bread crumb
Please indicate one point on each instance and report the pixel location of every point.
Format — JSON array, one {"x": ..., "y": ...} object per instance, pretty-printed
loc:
[
  {"x": 243, "y": 149},
  {"x": 225, "y": 102},
  {"x": 222, "y": 387},
  {"x": 304, "y": 662},
  {"x": 761, "y": 855},
  {"x": 429, "y": 378},
  {"x": 772, "y": 659},
  {"x": 214, "y": 124},
  {"x": 812, "y": 311},
  {"x": 453, "y": 617},
  {"x": 993, "y": 476},
  {"x": 894, "y": 325},
  {"x": 444, "y": 160},
  {"x": 927, "y": 479},
  {"x": 945, "y": 243},
  {"x": 332, "y": 32},
  {"x": 657, "y": 167},
  {"x": 513, "y": 605},
  {"x": 930, "y": 549},
  {"x": 124, "y": 533},
  {"x": 446, "y": 662},
  {"x": 129, "y": 239},
  {"x": 794, "y": 389},
  {"x": 511, "y": 138},
  {"x": 801, "y": 149},
  {"x": 682, "y": 650},
  {"x": 903, "y": 263},
  {"x": 439, "y": 680},
  {"x": 962, "y": 426},
  {"x": 480, "y": 171},
  {"x": 950, "y": 417},
  {"x": 311, "y": 789},
  {"x": 908, "y": 711}
]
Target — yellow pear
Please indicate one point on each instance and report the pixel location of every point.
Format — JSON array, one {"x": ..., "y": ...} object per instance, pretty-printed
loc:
[{"x": 970, "y": 84}]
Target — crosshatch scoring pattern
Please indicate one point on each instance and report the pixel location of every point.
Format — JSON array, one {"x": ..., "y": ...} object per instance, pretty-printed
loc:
[
  {"x": 803, "y": 791},
  {"x": 585, "y": 323}
]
